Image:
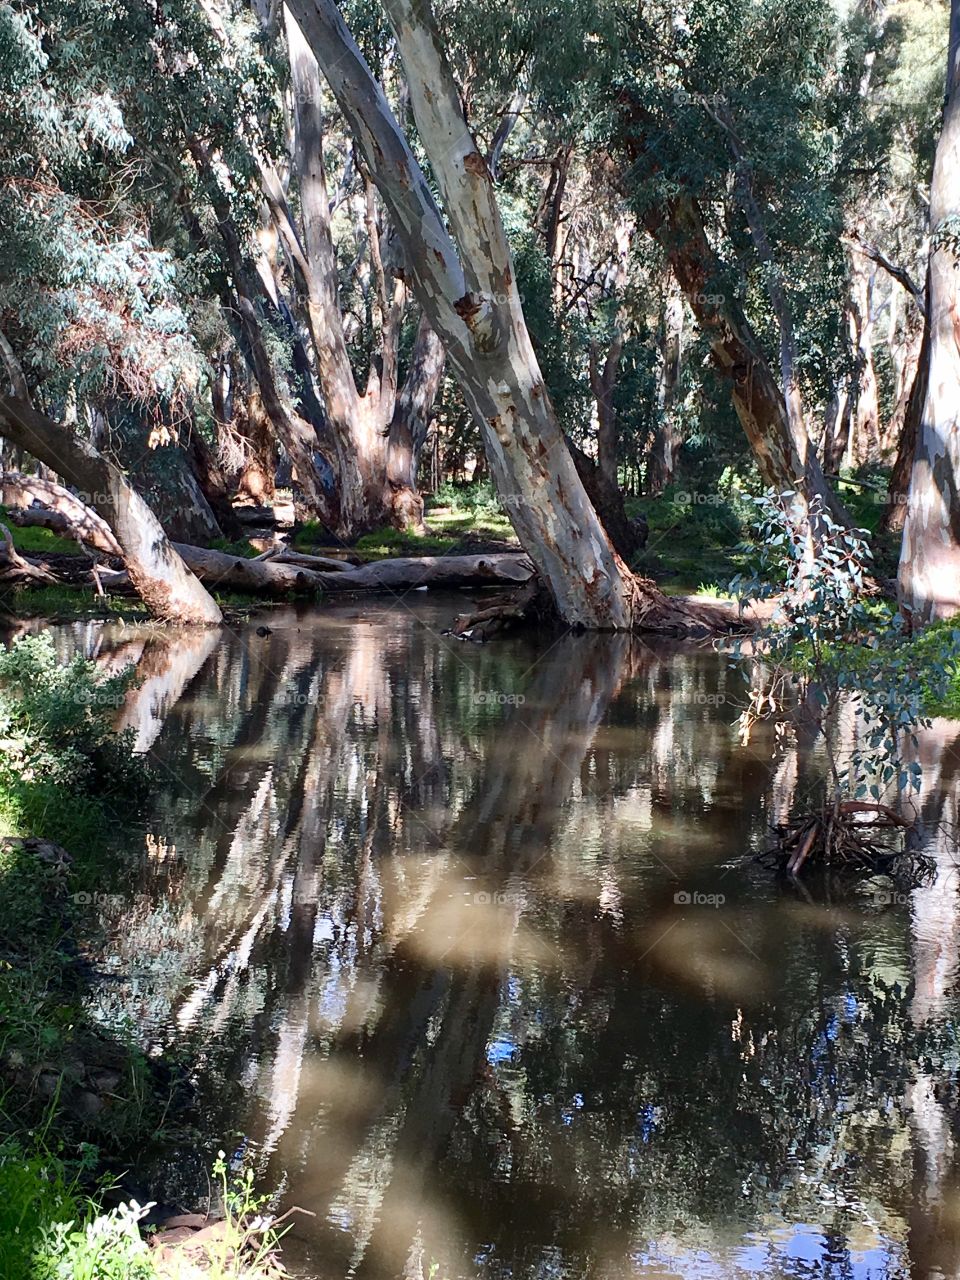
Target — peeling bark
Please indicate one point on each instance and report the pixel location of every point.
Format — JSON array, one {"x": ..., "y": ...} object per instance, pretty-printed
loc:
[{"x": 474, "y": 306}]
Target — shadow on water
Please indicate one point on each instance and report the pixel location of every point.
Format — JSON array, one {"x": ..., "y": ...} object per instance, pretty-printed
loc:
[{"x": 470, "y": 948}]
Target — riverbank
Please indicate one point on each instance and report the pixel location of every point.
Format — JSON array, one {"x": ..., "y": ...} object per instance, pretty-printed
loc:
[{"x": 84, "y": 1108}]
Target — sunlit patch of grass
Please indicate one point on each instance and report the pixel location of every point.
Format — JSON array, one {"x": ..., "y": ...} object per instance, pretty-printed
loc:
[
  {"x": 35, "y": 539},
  {"x": 240, "y": 547}
]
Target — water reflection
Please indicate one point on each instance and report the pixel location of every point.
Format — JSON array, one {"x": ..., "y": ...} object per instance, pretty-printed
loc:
[{"x": 467, "y": 944}]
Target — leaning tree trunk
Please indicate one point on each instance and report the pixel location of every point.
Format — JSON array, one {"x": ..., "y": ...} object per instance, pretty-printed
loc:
[
  {"x": 467, "y": 289},
  {"x": 771, "y": 415},
  {"x": 168, "y": 588},
  {"x": 785, "y": 454},
  {"x": 929, "y": 577}
]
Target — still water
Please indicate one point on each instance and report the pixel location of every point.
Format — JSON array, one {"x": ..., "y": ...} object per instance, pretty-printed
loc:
[{"x": 470, "y": 958}]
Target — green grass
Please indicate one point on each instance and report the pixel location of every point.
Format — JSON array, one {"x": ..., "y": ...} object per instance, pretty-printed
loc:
[
  {"x": 34, "y": 539},
  {"x": 472, "y": 515},
  {"x": 62, "y": 601},
  {"x": 240, "y": 547},
  {"x": 448, "y": 532}
]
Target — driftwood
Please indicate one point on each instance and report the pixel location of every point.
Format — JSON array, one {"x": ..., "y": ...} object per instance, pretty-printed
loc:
[{"x": 845, "y": 835}]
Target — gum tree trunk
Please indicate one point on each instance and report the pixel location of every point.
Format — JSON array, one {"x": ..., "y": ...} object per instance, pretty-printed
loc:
[
  {"x": 168, "y": 588},
  {"x": 781, "y": 445},
  {"x": 929, "y": 576},
  {"x": 466, "y": 287}
]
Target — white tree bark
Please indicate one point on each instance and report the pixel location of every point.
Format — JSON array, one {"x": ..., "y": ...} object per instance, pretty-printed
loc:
[
  {"x": 474, "y": 306},
  {"x": 167, "y": 587}
]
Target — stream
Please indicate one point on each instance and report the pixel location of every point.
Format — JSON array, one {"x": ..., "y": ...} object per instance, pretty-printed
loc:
[{"x": 470, "y": 958}]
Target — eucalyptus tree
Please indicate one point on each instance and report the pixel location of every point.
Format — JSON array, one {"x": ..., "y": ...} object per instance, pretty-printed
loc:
[
  {"x": 465, "y": 282},
  {"x": 89, "y": 313},
  {"x": 929, "y": 574}
]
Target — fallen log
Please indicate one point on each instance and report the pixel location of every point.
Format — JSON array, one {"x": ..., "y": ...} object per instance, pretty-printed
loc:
[
  {"x": 266, "y": 577},
  {"x": 407, "y": 573},
  {"x": 276, "y": 577},
  {"x": 13, "y": 566}
]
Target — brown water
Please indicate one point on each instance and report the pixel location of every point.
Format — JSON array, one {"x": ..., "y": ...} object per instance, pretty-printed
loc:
[{"x": 470, "y": 956}]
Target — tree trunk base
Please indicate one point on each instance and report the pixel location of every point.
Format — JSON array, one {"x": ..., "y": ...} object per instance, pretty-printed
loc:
[{"x": 653, "y": 614}]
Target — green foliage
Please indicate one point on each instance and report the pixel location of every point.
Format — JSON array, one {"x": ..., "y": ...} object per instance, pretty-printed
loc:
[
  {"x": 477, "y": 499},
  {"x": 55, "y": 721},
  {"x": 935, "y": 653},
  {"x": 824, "y": 646},
  {"x": 51, "y": 1229},
  {"x": 693, "y": 532}
]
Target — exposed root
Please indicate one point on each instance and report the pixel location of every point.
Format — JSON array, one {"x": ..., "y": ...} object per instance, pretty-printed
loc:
[
  {"x": 853, "y": 836},
  {"x": 653, "y": 612}
]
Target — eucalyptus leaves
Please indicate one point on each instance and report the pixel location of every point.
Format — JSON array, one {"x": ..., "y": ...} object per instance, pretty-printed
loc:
[{"x": 833, "y": 664}]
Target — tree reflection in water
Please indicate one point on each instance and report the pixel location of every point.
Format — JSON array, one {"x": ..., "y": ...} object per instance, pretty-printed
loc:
[{"x": 467, "y": 943}]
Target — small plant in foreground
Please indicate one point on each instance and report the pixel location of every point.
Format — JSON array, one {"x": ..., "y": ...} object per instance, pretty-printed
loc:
[
  {"x": 249, "y": 1243},
  {"x": 56, "y": 718}
]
